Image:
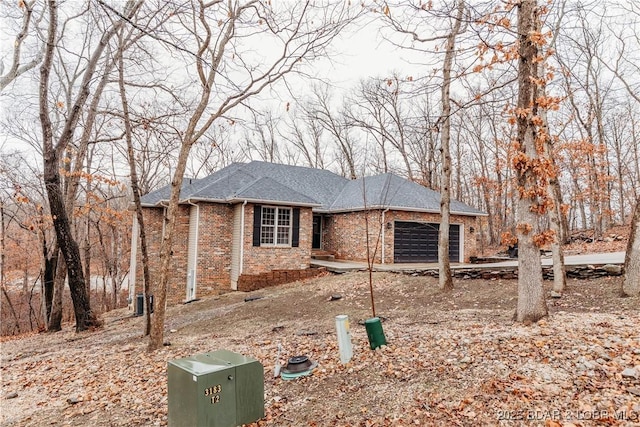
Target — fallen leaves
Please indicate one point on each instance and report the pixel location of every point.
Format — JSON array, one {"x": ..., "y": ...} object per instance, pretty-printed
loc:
[{"x": 445, "y": 365}]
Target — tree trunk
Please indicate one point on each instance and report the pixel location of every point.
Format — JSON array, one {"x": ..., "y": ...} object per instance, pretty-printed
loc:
[
  {"x": 55, "y": 317},
  {"x": 631, "y": 284},
  {"x": 556, "y": 219},
  {"x": 51, "y": 153},
  {"x": 562, "y": 217},
  {"x": 146, "y": 275},
  {"x": 445, "y": 278},
  {"x": 531, "y": 301},
  {"x": 190, "y": 135},
  {"x": 48, "y": 276},
  {"x": 116, "y": 245},
  {"x": 68, "y": 245},
  {"x": 636, "y": 157},
  {"x": 2, "y": 269},
  {"x": 371, "y": 254},
  {"x": 156, "y": 337},
  {"x": 16, "y": 319},
  {"x": 559, "y": 274},
  {"x": 87, "y": 261},
  {"x": 553, "y": 191},
  {"x": 87, "y": 237}
]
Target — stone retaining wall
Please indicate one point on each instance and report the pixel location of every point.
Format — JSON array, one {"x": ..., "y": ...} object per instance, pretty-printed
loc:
[{"x": 573, "y": 271}]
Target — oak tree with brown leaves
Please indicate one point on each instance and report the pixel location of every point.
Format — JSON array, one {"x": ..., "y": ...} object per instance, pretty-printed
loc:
[{"x": 529, "y": 166}]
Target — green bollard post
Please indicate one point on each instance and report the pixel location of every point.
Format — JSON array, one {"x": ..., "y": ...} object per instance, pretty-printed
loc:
[{"x": 375, "y": 333}]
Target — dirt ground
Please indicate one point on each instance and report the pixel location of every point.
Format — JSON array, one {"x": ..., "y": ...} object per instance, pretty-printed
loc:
[{"x": 453, "y": 359}]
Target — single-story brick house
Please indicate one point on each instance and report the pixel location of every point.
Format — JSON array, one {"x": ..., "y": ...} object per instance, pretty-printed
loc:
[{"x": 254, "y": 224}]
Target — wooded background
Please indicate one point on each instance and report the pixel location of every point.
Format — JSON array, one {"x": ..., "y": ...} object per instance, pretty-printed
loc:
[{"x": 237, "y": 81}]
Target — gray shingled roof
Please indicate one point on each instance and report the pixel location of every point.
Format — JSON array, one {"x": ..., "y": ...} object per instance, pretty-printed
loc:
[
  {"x": 325, "y": 191},
  {"x": 391, "y": 191},
  {"x": 237, "y": 182}
]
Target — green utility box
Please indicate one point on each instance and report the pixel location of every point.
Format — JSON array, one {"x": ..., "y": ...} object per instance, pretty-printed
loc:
[{"x": 217, "y": 389}]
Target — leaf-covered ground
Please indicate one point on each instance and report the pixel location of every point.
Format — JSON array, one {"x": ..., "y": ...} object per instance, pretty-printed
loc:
[{"x": 453, "y": 359}]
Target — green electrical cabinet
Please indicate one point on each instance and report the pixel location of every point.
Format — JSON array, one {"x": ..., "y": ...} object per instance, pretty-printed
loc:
[{"x": 217, "y": 389}]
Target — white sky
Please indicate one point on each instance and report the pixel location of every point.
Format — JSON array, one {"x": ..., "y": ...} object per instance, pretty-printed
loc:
[{"x": 363, "y": 53}]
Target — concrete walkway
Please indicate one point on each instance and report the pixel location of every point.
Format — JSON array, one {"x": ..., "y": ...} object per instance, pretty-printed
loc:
[{"x": 587, "y": 259}]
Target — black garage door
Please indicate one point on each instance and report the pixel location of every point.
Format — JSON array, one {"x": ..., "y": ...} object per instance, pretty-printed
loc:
[{"x": 418, "y": 242}]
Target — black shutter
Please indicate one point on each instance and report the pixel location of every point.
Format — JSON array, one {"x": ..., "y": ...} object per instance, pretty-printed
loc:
[
  {"x": 257, "y": 222},
  {"x": 295, "y": 235}
]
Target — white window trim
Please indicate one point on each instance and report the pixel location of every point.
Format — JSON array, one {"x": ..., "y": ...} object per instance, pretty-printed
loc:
[{"x": 275, "y": 228}]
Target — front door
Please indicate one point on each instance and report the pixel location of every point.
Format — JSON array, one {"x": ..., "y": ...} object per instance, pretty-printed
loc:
[{"x": 317, "y": 232}]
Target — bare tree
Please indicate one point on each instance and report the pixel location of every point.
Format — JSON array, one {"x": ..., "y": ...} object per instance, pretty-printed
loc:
[
  {"x": 262, "y": 136},
  {"x": 305, "y": 135},
  {"x": 454, "y": 14},
  {"x": 123, "y": 40},
  {"x": 554, "y": 212},
  {"x": 53, "y": 151},
  {"x": 444, "y": 268},
  {"x": 299, "y": 34},
  {"x": 631, "y": 284},
  {"x": 26, "y": 233},
  {"x": 378, "y": 108},
  {"x": 18, "y": 64},
  {"x": 3, "y": 262},
  {"x": 339, "y": 129},
  {"x": 589, "y": 92}
]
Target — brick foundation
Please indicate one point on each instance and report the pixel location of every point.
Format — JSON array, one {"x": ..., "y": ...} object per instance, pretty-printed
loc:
[{"x": 252, "y": 282}]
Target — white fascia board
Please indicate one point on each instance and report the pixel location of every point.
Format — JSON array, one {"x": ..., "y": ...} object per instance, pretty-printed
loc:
[
  {"x": 397, "y": 208},
  {"x": 254, "y": 201}
]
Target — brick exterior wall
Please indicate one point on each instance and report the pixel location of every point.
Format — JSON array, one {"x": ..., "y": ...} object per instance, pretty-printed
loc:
[
  {"x": 215, "y": 234},
  {"x": 261, "y": 259},
  {"x": 263, "y": 266},
  {"x": 153, "y": 219},
  {"x": 344, "y": 234}
]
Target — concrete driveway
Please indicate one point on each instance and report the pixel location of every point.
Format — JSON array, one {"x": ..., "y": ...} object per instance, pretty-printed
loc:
[{"x": 586, "y": 259}]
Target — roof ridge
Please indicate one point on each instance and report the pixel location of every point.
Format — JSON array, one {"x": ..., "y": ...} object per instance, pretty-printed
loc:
[
  {"x": 339, "y": 193},
  {"x": 386, "y": 187},
  {"x": 240, "y": 167},
  {"x": 384, "y": 191},
  {"x": 280, "y": 184}
]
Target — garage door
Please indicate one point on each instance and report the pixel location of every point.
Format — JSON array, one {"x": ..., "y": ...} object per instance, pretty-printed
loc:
[{"x": 418, "y": 242}]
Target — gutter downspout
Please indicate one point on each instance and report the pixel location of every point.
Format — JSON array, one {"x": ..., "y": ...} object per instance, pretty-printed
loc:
[
  {"x": 241, "y": 266},
  {"x": 195, "y": 255},
  {"x": 384, "y": 226},
  {"x": 164, "y": 206},
  {"x": 133, "y": 262}
]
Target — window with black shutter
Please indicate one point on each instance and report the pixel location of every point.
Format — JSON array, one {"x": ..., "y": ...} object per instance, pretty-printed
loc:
[
  {"x": 257, "y": 220},
  {"x": 276, "y": 226}
]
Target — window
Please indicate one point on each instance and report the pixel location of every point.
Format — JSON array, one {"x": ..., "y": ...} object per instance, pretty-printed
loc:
[{"x": 275, "y": 227}]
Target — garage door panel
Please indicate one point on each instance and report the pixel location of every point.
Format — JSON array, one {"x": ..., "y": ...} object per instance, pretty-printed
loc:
[
  {"x": 454, "y": 242},
  {"x": 418, "y": 242}
]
